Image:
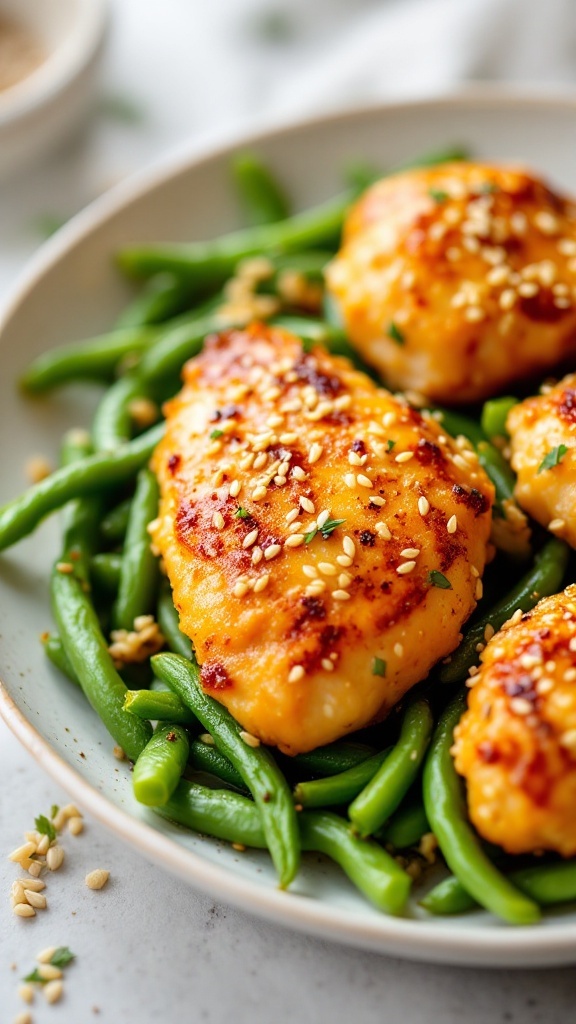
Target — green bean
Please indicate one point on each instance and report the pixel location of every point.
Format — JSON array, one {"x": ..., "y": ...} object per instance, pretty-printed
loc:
[
  {"x": 384, "y": 793},
  {"x": 178, "y": 344},
  {"x": 456, "y": 424},
  {"x": 78, "y": 625},
  {"x": 331, "y": 312},
  {"x": 494, "y": 416},
  {"x": 112, "y": 423},
  {"x": 373, "y": 871},
  {"x": 159, "y": 767},
  {"x": 206, "y": 758},
  {"x": 139, "y": 569},
  {"x": 161, "y": 298},
  {"x": 315, "y": 332},
  {"x": 360, "y": 176},
  {"x": 208, "y": 264},
  {"x": 259, "y": 192},
  {"x": 57, "y": 655},
  {"x": 168, "y": 621},
  {"x": 88, "y": 476},
  {"x": 446, "y": 812},
  {"x": 341, "y": 788},
  {"x": 234, "y": 818},
  {"x": 499, "y": 471},
  {"x": 547, "y": 884},
  {"x": 105, "y": 570},
  {"x": 406, "y": 827},
  {"x": 255, "y": 764},
  {"x": 335, "y": 758},
  {"x": 542, "y": 579},
  {"x": 158, "y": 706},
  {"x": 310, "y": 265},
  {"x": 94, "y": 359},
  {"x": 114, "y": 524}
]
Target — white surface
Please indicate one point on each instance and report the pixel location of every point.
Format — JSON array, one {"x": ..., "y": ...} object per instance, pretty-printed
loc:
[{"x": 149, "y": 948}]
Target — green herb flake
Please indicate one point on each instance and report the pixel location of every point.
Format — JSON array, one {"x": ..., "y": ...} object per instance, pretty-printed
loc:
[
  {"x": 553, "y": 457},
  {"x": 62, "y": 956},
  {"x": 54, "y": 810},
  {"x": 438, "y": 579},
  {"x": 378, "y": 667},
  {"x": 310, "y": 536},
  {"x": 35, "y": 977},
  {"x": 390, "y": 444},
  {"x": 438, "y": 195},
  {"x": 329, "y": 527},
  {"x": 395, "y": 333},
  {"x": 45, "y": 827},
  {"x": 215, "y": 434},
  {"x": 241, "y": 513}
]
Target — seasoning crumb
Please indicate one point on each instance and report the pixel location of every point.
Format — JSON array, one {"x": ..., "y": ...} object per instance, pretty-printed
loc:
[
  {"x": 37, "y": 468},
  {"x": 97, "y": 879},
  {"x": 119, "y": 753}
]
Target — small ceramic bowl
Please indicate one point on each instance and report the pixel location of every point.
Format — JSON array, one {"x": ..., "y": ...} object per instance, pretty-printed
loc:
[{"x": 37, "y": 111}]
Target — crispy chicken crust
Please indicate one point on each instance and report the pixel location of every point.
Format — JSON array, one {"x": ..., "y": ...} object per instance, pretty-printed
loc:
[
  {"x": 306, "y": 637},
  {"x": 516, "y": 743},
  {"x": 455, "y": 280},
  {"x": 538, "y": 428}
]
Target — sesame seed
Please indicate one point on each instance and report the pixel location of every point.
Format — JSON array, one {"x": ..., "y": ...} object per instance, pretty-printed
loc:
[
  {"x": 316, "y": 587},
  {"x": 344, "y": 580},
  {"x": 292, "y": 515},
  {"x": 259, "y": 492},
  {"x": 546, "y": 222},
  {"x": 518, "y": 222},
  {"x": 272, "y": 551},
  {"x": 399, "y": 650},
  {"x": 310, "y": 571},
  {"x": 340, "y": 595},
  {"x": 54, "y": 857},
  {"x": 240, "y": 588},
  {"x": 235, "y": 488},
  {"x": 410, "y": 552},
  {"x": 423, "y": 505},
  {"x": 342, "y": 402},
  {"x": 349, "y": 479},
  {"x": 260, "y": 460},
  {"x": 261, "y": 583},
  {"x": 453, "y": 253},
  {"x": 218, "y": 521},
  {"x": 479, "y": 590},
  {"x": 473, "y": 314},
  {"x": 315, "y": 453},
  {"x": 383, "y": 531},
  {"x": 520, "y": 706},
  {"x": 389, "y": 419},
  {"x": 288, "y": 438},
  {"x": 249, "y": 739},
  {"x": 257, "y": 555},
  {"x": 528, "y": 289},
  {"x": 307, "y": 505},
  {"x": 344, "y": 560},
  {"x": 294, "y": 527},
  {"x": 327, "y": 665},
  {"x": 276, "y": 420},
  {"x": 296, "y": 673},
  {"x": 555, "y": 525},
  {"x": 22, "y": 853},
  {"x": 280, "y": 481},
  {"x": 323, "y": 518},
  {"x": 375, "y": 499},
  {"x": 488, "y": 632},
  {"x": 35, "y": 899},
  {"x": 452, "y": 524},
  {"x": 405, "y": 568},
  {"x": 364, "y": 481},
  {"x": 24, "y": 910},
  {"x": 498, "y": 275},
  {"x": 562, "y": 303},
  {"x": 48, "y": 972},
  {"x": 250, "y": 538},
  {"x": 327, "y": 569},
  {"x": 349, "y": 546},
  {"x": 53, "y": 991},
  {"x": 66, "y": 568},
  {"x": 294, "y": 541},
  {"x": 298, "y": 473},
  {"x": 75, "y": 825},
  {"x": 283, "y": 469},
  {"x": 356, "y": 460},
  {"x": 404, "y": 457}
]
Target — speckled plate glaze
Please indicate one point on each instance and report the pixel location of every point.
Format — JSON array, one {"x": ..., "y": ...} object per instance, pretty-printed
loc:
[{"x": 71, "y": 290}]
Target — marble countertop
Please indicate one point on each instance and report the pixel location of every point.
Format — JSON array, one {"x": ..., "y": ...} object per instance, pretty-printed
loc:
[{"x": 149, "y": 948}]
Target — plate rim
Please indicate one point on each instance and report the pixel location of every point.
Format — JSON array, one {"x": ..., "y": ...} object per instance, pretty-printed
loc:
[{"x": 492, "y": 945}]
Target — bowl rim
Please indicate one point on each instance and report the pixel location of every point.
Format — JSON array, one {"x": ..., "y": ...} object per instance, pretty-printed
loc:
[
  {"x": 491, "y": 945},
  {"x": 60, "y": 68}
]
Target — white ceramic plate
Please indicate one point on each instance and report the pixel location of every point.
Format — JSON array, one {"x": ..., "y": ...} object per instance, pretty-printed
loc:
[{"x": 72, "y": 290}]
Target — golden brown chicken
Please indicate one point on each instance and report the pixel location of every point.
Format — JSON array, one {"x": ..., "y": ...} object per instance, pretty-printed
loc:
[
  {"x": 516, "y": 744},
  {"x": 543, "y": 444},
  {"x": 324, "y": 541},
  {"x": 457, "y": 279}
]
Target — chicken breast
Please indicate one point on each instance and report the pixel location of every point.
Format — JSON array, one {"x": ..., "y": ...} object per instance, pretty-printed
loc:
[
  {"x": 516, "y": 744},
  {"x": 458, "y": 279},
  {"x": 324, "y": 541},
  {"x": 543, "y": 445}
]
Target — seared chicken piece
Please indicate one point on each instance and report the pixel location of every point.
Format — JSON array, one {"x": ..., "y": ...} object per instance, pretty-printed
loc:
[
  {"x": 324, "y": 541},
  {"x": 516, "y": 744},
  {"x": 543, "y": 444},
  {"x": 457, "y": 279}
]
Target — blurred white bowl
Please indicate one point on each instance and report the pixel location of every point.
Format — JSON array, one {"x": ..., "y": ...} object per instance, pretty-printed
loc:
[{"x": 37, "y": 111}]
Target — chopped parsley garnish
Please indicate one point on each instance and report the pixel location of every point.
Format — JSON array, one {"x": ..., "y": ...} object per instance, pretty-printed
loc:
[
  {"x": 438, "y": 579},
  {"x": 553, "y": 457},
  {"x": 390, "y": 444},
  {"x": 241, "y": 513},
  {"x": 326, "y": 530},
  {"x": 34, "y": 976},
  {"x": 438, "y": 195},
  {"x": 395, "y": 333},
  {"x": 54, "y": 810},
  {"x": 378, "y": 667},
  {"x": 45, "y": 827},
  {"x": 62, "y": 956},
  {"x": 215, "y": 434}
]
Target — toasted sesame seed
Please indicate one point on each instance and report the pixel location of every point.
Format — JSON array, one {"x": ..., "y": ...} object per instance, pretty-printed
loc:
[
  {"x": 349, "y": 479},
  {"x": 26, "y": 992},
  {"x": 249, "y": 739},
  {"x": 383, "y": 531},
  {"x": 97, "y": 879},
  {"x": 452, "y": 524},
  {"x": 342, "y": 402},
  {"x": 283, "y": 469},
  {"x": 259, "y": 492},
  {"x": 294, "y": 527},
  {"x": 75, "y": 825},
  {"x": 528, "y": 289},
  {"x": 520, "y": 706},
  {"x": 316, "y": 587},
  {"x": 355, "y": 459},
  {"x": 323, "y": 518},
  {"x": 479, "y": 590},
  {"x": 327, "y": 665},
  {"x": 399, "y": 650},
  {"x": 22, "y": 852},
  {"x": 410, "y": 552},
  {"x": 296, "y": 673},
  {"x": 404, "y": 457},
  {"x": 298, "y": 473},
  {"x": 340, "y": 595},
  {"x": 555, "y": 525},
  {"x": 257, "y": 555},
  {"x": 48, "y": 972},
  {"x": 423, "y": 505},
  {"x": 45, "y": 955},
  {"x": 307, "y": 505},
  {"x": 218, "y": 521},
  {"x": 389, "y": 419},
  {"x": 292, "y": 515},
  {"x": 260, "y": 460},
  {"x": 349, "y": 546},
  {"x": 261, "y": 583},
  {"x": 310, "y": 571},
  {"x": 235, "y": 488},
  {"x": 344, "y": 560},
  {"x": 250, "y": 538},
  {"x": 364, "y": 480},
  {"x": 24, "y": 1017},
  {"x": 294, "y": 541},
  {"x": 405, "y": 568},
  {"x": 240, "y": 588},
  {"x": 206, "y": 739},
  {"x": 36, "y": 884},
  {"x": 546, "y": 222},
  {"x": 35, "y": 899},
  {"x": 344, "y": 580},
  {"x": 327, "y": 569},
  {"x": 315, "y": 453},
  {"x": 55, "y": 857},
  {"x": 53, "y": 991},
  {"x": 507, "y": 299},
  {"x": 473, "y": 314},
  {"x": 272, "y": 551},
  {"x": 24, "y": 910},
  {"x": 488, "y": 632}
]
